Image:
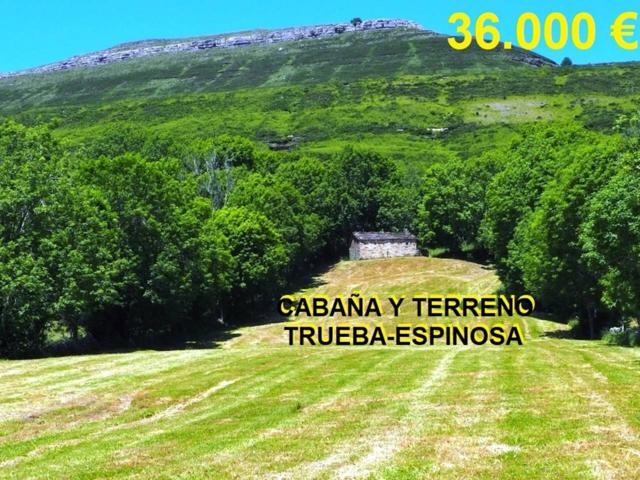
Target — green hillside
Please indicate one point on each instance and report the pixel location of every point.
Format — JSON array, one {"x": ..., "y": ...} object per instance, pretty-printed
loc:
[
  {"x": 346, "y": 58},
  {"x": 255, "y": 408},
  {"x": 172, "y": 161},
  {"x": 387, "y": 90}
]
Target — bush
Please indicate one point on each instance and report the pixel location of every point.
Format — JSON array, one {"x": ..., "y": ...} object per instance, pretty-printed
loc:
[{"x": 627, "y": 338}]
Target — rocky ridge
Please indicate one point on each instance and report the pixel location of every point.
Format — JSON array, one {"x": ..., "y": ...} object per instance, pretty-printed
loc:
[{"x": 149, "y": 48}]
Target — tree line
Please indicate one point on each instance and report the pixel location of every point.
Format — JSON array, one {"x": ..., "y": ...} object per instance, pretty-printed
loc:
[
  {"x": 557, "y": 213},
  {"x": 136, "y": 237}
]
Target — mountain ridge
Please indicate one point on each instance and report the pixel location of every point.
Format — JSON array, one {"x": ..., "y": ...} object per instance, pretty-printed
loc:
[{"x": 151, "y": 47}]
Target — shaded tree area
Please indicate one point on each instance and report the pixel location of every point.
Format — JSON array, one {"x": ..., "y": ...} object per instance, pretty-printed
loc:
[
  {"x": 135, "y": 239},
  {"x": 556, "y": 213}
]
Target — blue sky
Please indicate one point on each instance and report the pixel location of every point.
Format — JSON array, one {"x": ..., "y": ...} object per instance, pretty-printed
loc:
[{"x": 34, "y": 32}]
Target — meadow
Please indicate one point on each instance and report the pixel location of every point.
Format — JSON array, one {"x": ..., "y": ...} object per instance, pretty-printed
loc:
[{"x": 253, "y": 407}]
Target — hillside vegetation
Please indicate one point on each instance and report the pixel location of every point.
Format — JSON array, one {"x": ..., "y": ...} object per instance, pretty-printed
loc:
[
  {"x": 386, "y": 90},
  {"x": 146, "y": 200},
  {"x": 158, "y": 208},
  {"x": 255, "y": 408},
  {"x": 345, "y": 58}
]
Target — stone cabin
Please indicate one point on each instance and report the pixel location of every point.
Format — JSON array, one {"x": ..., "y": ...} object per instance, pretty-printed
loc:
[{"x": 382, "y": 244}]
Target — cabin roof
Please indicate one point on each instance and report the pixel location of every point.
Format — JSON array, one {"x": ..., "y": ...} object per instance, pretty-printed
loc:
[{"x": 383, "y": 237}]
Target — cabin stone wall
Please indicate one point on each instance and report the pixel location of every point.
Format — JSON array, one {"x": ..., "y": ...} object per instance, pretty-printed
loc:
[{"x": 381, "y": 249}]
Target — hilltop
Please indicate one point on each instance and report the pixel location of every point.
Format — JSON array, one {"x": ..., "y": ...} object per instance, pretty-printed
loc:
[
  {"x": 261, "y": 58},
  {"x": 146, "y": 48}
]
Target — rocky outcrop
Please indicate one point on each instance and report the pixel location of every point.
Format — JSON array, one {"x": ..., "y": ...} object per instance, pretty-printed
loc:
[{"x": 148, "y": 48}]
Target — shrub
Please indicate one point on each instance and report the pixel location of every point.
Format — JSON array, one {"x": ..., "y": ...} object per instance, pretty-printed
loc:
[{"x": 626, "y": 338}]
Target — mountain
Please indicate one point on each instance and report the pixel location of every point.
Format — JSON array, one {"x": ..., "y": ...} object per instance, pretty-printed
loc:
[
  {"x": 146, "y": 48},
  {"x": 316, "y": 54},
  {"x": 389, "y": 85}
]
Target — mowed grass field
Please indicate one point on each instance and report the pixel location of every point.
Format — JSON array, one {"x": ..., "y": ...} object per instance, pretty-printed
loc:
[{"x": 254, "y": 407}]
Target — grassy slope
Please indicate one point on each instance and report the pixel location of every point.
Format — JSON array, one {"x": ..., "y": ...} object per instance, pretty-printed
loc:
[
  {"x": 349, "y": 57},
  {"x": 379, "y": 90},
  {"x": 256, "y": 408}
]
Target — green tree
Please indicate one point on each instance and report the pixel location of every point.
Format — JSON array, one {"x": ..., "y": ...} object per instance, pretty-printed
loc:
[
  {"x": 547, "y": 250},
  {"x": 285, "y": 207},
  {"x": 453, "y": 204},
  {"x": 29, "y": 172},
  {"x": 514, "y": 192},
  {"x": 611, "y": 240},
  {"x": 159, "y": 217},
  {"x": 117, "y": 139},
  {"x": 258, "y": 252},
  {"x": 82, "y": 254},
  {"x": 356, "y": 181},
  {"x": 398, "y": 207},
  {"x": 312, "y": 178},
  {"x": 25, "y": 292}
]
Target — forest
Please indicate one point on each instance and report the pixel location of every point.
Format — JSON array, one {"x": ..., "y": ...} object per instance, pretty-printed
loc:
[{"x": 137, "y": 238}]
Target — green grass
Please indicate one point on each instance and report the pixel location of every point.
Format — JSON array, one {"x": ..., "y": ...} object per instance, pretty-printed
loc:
[{"x": 256, "y": 408}]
